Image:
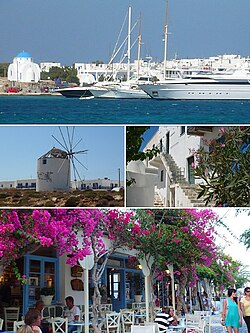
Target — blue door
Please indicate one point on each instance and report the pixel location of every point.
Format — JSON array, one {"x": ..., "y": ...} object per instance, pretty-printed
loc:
[
  {"x": 116, "y": 287},
  {"x": 40, "y": 272}
]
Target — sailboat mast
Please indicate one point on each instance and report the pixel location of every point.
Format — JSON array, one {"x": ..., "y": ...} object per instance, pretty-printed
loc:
[
  {"x": 139, "y": 48},
  {"x": 129, "y": 42},
  {"x": 165, "y": 41}
]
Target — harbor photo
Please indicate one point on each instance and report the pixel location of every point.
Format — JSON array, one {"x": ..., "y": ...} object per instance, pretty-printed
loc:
[{"x": 180, "y": 69}]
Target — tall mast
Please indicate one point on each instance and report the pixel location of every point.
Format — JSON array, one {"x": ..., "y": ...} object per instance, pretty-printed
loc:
[
  {"x": 129, "y": 42},
  {"x": 165, "y": 41},
  {"x": 139, "y": 48}
]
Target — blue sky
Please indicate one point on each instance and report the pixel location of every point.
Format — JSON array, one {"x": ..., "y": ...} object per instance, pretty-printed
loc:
[
  {"x": 21, "y": 146},
  {"x": 86, "y": 30}
]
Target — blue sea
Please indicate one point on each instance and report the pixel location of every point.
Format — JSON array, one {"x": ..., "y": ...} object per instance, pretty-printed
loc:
[{"x": 61, "y": 110}]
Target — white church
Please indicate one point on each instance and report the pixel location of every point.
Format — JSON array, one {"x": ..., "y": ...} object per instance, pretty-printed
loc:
[{"x": 23, "y": 69}]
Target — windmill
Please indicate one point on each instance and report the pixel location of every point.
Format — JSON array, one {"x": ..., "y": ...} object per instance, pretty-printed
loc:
[{"x": 54, "y": 167}]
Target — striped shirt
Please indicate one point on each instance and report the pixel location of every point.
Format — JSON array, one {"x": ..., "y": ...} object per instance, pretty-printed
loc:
[{"x": 163, "y": 320}]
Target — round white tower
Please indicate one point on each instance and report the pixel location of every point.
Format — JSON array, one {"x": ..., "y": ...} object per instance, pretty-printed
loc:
[{"x": 53, "y": 171}]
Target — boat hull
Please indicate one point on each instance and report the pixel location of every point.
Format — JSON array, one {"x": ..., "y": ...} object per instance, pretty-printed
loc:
[
  {"x": 185, "y": 91},
  {"x": 75, "y": 92},
  {"x": 118, "y": 93}
]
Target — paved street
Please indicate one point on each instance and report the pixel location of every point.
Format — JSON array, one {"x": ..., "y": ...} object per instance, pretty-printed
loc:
[{"x": 221, "y": 329}]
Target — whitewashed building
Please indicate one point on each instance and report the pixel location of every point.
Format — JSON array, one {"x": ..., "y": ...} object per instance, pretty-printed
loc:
[
  {"x": 53, "y": 171},
  {"x": 175, "y": 185},
  {"x": 23, "y": 69},
  {"x": 46, "y": 66},
  {"x": 93, "y": 184},
  {"x": 19, "y": 183}
]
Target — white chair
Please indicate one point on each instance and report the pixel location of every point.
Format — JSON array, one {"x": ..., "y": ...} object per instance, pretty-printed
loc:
[
  {"x": 142, "y": 329},
  {"x": 59, "y": 325},
  {"x": 1, "y": 323},
  {"x": 202, "y": 313},
  {"x": 140, "y": 315},
  {"x": 192, "y": 320},
  {"x": 214, "y": 321},
  {"x": 17, "y": 325},
  {"x": 156, "y": 327},
  {"x": 113, "y": 322},
  {"x": 11, "y": 314},
  {"x": 127, "y": 319},
  {"x": 199, "y": 329}
]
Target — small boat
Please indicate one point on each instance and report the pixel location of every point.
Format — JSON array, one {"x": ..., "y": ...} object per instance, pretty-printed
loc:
[{"x": 75, "y": 92}]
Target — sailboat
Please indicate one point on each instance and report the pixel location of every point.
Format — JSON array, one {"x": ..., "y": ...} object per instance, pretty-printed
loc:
[{"x": 130, "y": 88}]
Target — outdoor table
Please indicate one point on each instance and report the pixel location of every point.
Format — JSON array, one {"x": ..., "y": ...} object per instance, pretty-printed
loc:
[
  {"x": 178, "y": 328},
  {"x": 139, "y": 316},
  {"x": 78, "y": 324}
]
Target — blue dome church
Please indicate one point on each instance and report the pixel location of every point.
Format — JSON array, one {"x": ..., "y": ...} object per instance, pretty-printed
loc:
[{"x": 23, "y": 69}]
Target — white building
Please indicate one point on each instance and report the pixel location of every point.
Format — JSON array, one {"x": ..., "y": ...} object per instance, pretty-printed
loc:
[
  {"x": 53, "y": 171},
  {"x": 23, "y": 69},
  {"x": 97, "y": 184},
  {"x": 93, "y": 184},
  {"x": 46, "y": 66},
  {"x": 175, "y": 185},
  {"x": 19, "y": 183}
]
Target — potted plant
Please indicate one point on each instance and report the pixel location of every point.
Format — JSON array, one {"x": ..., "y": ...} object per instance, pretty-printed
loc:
[{"x": 47, "y": 294}]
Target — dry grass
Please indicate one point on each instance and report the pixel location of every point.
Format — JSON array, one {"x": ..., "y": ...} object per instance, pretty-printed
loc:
[{"x": 31, "y": 198}]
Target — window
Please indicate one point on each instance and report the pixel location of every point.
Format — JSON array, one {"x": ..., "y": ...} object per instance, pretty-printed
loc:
[
  {"x": 182, "y": 130},
  {"x": 44, "y": 161},
  {"x": 161, "y": 145},
  {"x": 162, "y": 175}
]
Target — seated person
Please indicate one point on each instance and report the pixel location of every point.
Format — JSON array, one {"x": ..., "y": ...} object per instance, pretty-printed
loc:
[
  {"x": 39, "y": 306},
  {"x": 33, "y": 319},
  {"x": 166, "y": 318},
  {"x": 73, "y": 313}
]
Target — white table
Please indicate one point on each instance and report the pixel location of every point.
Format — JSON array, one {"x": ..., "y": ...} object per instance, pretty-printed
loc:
[
  {"x": 178, "y": 328},
  {"x": 78, "y": 324}
]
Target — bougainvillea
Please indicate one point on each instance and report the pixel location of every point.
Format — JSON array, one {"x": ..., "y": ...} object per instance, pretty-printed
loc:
[
  {"x": 181, "y": 237},
  {"x": 224, "y": 165}
]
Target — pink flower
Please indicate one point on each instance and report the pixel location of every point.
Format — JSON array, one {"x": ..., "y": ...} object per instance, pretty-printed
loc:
[{"x": 176, "y": 240}]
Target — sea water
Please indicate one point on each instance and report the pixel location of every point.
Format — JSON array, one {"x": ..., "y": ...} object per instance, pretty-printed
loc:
[{"x": 61, "y": 110}]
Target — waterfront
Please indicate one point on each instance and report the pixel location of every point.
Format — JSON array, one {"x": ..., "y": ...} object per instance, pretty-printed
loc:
[{"x": 60, "y": 110}]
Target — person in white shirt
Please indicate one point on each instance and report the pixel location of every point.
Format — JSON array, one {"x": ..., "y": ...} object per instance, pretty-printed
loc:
[{"x": 73, "y": 313}]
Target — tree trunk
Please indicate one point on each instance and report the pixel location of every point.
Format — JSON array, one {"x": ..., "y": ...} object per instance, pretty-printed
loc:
[{"x": 180, "y": 298}]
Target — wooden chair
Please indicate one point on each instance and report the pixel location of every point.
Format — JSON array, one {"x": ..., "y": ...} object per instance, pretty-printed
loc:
[
  {"x": 113, "y": 322},
  {"x": 215, "y": 321},
  {"x": 17, "y": 325},
  {"x": 155, "y": 325},
  {"x": 11, "y": 314},
  {"x": 192, "y": 320},
  {"x": 127, "y": 319},
  {"x": 59, "y": 325},
  {"x": 142, "y": 329},
  {"x": 202, "y": 313},
  {"x": 200, "y": 328}
]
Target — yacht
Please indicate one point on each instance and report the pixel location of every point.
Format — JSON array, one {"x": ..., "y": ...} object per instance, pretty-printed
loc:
[
  {"x": 123, "y": 90},
  {"x": 75, "y": 92},
  {"x": 234, "y": 84}
]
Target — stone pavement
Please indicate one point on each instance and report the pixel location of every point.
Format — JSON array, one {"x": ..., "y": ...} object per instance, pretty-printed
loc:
[{"x": 222, "y": 329}]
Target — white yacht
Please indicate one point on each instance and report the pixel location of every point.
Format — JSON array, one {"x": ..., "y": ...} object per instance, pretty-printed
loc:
[
  {"x": 234, "y": 84},
  {"x": 124, "y": 90}
]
